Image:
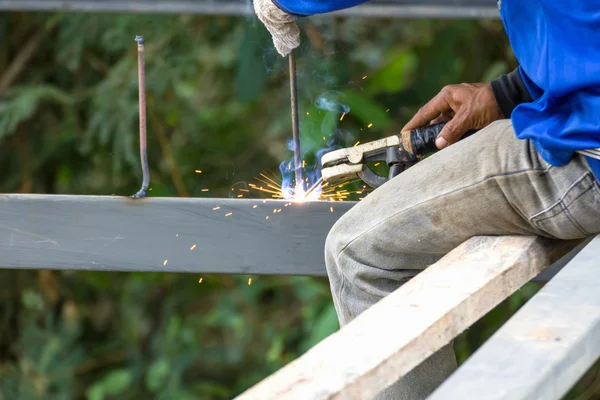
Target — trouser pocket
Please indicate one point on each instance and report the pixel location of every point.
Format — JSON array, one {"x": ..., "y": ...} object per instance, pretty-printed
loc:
[{"x": 576, "y": 214}]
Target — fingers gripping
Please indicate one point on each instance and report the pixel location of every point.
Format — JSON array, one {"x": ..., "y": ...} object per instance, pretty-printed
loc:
[
  {"x": 452, "y": 131},
  {"x": 430, "y": 111},
  {"x": 443, "y": 107},
  {"x": 281, "y": 26}
]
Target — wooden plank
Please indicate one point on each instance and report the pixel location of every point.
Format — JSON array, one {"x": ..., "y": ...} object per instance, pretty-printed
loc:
[
  {"x": 543, "y": 350},
  {"x": 403, "y": 329},
  {"x": 380, "y": 9},
  {"x": 117, "y": 233}
]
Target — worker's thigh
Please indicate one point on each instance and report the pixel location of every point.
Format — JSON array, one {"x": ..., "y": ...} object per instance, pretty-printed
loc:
[{"x": 488, "y": 184}]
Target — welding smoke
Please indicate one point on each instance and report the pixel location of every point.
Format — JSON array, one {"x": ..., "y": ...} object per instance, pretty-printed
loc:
[{"x": 331, "y": 100}]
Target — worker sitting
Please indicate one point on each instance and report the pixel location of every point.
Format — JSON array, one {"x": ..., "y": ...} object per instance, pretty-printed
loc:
[{"x": 522, "y": 173}]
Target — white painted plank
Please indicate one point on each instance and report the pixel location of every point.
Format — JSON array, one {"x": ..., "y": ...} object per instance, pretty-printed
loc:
[
  {"x": 118, "y": 233},
  {"x": 398, "y": 333},
  {"x": 543, "y": 350}
]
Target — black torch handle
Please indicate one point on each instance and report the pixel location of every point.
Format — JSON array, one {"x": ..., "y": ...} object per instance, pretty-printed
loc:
[{"x": 423, "y": 139}]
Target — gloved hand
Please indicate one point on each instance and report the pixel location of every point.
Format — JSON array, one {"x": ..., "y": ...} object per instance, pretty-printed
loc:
[{"x": 281, "y": 25}]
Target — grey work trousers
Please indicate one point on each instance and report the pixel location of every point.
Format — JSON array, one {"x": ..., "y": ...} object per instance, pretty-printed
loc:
[{"x": 488, "y": 184}]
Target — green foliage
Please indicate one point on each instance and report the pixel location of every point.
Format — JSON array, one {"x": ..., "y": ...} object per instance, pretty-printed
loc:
[{"x": 218, "y": 101}]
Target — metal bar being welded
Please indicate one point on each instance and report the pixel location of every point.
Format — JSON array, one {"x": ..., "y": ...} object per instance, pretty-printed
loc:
[
  {"x": 113, "y": 233},
  {"x": 161, "y": 234},
  {"x": 295, "y": 123}
]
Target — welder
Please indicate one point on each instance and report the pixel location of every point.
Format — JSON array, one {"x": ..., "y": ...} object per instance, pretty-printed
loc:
[{"x": 524, "y": 172}]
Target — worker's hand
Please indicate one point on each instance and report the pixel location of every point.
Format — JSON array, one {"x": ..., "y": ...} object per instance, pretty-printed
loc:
[
  {"x": 281, "y": 25},
  {"x": 466, "y": 106}
]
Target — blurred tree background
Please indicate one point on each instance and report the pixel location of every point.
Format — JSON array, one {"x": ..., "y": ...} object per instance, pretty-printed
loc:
[{"x": 218, "y": 101}]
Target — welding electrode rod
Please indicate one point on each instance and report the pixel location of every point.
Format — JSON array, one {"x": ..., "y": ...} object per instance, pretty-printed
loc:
[
  {"x": 142, "y": 107},
  {"x": 295, "y": 130},
  {"x": 318, "y": 183}
]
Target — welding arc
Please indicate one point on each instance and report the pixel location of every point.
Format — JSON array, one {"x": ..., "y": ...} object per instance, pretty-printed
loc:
[
  {"x": 295, "y": 123},
  {"x": 142, "y": 111}
]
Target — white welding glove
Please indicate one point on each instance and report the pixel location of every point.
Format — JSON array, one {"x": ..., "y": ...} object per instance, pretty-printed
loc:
[{"x": 281, "y": 25}]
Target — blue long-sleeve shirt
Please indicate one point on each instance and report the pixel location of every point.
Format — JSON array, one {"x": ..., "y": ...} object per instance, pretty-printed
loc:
[
  {"x": 312, "y": 7},
  {"x": 557, "y": 44}
]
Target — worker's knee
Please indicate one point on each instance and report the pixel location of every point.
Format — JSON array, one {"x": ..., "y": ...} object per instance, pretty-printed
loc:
[
  {"x": 339, "y": 237},
  {"x": 333, "y": 243}
]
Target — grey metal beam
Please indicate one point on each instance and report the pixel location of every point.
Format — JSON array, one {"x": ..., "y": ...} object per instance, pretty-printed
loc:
[
  {"x": 116, "y": 233},
  {"x": 543, "y": 350},
  {"x": 382, "y": 9}
]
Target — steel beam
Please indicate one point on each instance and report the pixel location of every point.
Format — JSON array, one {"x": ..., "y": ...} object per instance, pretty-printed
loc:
[
  {"x": 165, "y": 234},
  {"x": 118, "y": 233},
  {"x": 486, "y": 9}
]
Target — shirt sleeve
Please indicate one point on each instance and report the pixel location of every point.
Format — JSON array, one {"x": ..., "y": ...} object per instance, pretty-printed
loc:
[
  {"x": 510, "y": 91},
  {"x": 306, "y": 8}
]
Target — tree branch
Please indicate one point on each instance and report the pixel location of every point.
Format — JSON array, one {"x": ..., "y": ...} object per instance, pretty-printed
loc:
[{"x": 20, "y": 61}]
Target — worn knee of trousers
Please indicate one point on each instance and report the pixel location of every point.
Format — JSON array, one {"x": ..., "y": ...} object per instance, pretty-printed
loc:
[
  {"x": 356, "y": 266},
  {"x": 333, "y": 246},
  {"x": 348, "y": 231},
  {"x": 337, "y": 240}
]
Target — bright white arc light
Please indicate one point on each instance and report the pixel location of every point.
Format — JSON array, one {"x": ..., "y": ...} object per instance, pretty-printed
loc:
[{"x": 298, "y": 195}]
